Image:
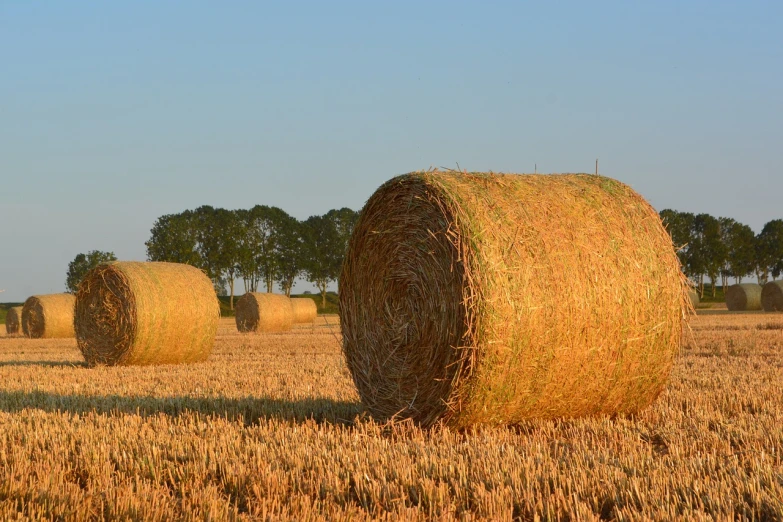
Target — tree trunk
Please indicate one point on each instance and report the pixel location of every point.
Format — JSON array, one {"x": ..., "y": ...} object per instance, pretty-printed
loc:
[
  {"x": 231, "y": 300},
  {"x": 322, "y": 287}
]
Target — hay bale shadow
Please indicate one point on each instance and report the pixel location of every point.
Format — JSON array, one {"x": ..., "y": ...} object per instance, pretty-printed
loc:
[{"x": 249, "y": 410}]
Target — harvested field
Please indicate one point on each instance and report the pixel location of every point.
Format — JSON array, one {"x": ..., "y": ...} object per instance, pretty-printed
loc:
[{"x": 270, "y": 426}]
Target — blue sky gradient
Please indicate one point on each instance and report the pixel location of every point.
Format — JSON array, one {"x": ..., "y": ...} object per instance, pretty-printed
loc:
[{"x": 112, "y": 114}]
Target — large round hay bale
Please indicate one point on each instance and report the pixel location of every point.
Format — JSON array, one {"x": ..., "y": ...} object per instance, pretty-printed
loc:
[
  {"x": 13, "y": 320},
  {"x": 134, "y": 313},
  {"x": 305, "y": 310},
  {"x": 745, "y": 296},
  {"x": 48, "y": 316},
  {"x": 259, "y": 312},
  {"x": 490, "y": 299},
  {"x": 693, "y": 295},
  {"x": 772, "y": 296}
]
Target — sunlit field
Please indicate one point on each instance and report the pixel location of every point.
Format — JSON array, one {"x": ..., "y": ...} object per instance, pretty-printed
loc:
[{"x": 271, "y": 427}]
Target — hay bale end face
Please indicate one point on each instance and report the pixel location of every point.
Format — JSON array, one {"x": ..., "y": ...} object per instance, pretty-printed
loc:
[
  {"x": 48, "y": 316},
  {"x": 305, "y": 309},
  {"x": 772, "y": 296},
  {"x": 490, "y": 299},
  {"x": 743, "y": 297},
  {"x": 13, "y": 320},
  {"x": 135, "y": 313},
  {"x": 259, "y": 312}
]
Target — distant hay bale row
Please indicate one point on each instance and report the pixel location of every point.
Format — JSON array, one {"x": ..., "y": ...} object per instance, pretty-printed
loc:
[
  {"x": 694, "y": 297},
  {"x": 133, "y": 313},
  {"x": 743, "y": 297},
  {"x": 265, "y": 312},
  {"x": 48, "y": 316},
  {"x": 13, "y": 320},
  {"x": 305, "y": 310},
  {"x": 772, "y": 296},
  {"x": 490, "y": 299}
]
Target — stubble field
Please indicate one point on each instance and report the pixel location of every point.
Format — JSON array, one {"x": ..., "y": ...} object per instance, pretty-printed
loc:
[{"x": 270, "y": 427}]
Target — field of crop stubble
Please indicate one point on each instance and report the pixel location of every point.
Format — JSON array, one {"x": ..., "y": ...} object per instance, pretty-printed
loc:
[{"x": 271, "y": 427}]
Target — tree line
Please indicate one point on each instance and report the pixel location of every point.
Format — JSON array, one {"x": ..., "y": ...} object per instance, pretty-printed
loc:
[
  {"x": 261, "y": 246},
  {"x": 722, "y": 248}
]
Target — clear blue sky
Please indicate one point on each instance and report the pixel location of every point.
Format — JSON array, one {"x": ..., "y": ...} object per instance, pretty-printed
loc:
[{"x": 114, "y": 113}]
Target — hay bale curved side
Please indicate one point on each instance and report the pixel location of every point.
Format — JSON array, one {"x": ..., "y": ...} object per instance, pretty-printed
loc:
[
  {"x": 48, "y": 316},
  {"x": 135, "y": 313},
  {"x": 491, "y": 299},
  {"x": 693, "y": 295},
  {"x": 259, "y": 312},
  {"x": 772, "y": 296},
  {"x": 743, "y": 297},
  {"x": 13, "y": 320},
  {"x": 305, "y": 309}
]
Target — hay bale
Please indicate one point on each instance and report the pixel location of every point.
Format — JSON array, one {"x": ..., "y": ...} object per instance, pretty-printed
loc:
[
  {"x": 305, "y": 310},
  {"x": 48, "y": 316},
  {"x": 693, "y": 295},
  {"x": 491, "y": 299},
  {"x": 258, "y": 312},
  {"x": 742, "y": 297},
  {"x": 772, "y": 296},
  {"x": 133, "y": 313},
  {"x": 13, "y": 320}
]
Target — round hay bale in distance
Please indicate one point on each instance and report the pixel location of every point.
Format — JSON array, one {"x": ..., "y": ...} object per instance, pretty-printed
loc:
[
  {"x": 490, "y": 299},
  {"x": 48, "y": 316},
  {"x": 772, "y": 296},
  {"x": 13, "y": 320},
  {"x": 743, "y": 297},
  {"x": 693, "y": 295},
  {"x": 136, "y": 313},
  {"x": 260, "y": 312},
  {"x": 305, "y": 309}
]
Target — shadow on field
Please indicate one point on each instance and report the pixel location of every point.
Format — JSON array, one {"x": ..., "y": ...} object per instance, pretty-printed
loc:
[
  {"x": 248, "y": 409},
  {"x": 48, "y": 364}
]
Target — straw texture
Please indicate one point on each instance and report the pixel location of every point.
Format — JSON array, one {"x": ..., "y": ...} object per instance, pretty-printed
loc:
[
  {"x": 772, "y": 296},
  {"x": 48, "y": 316},
  {"x": 305, "y": 310},
  {"x": 490, "y": 299},
  {"x": 13, "y": 320},
  {"x": 743, "y": 297},
  {"x": 133, "y": 313},
  {"x": 259, "y": 312}
]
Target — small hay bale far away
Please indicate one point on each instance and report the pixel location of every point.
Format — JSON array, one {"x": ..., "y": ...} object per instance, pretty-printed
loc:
[
  {"x": 13, "y": 320},
  {"x": 491, "y": 299},
  {"x": 305, "y": 310},
  {"x": 772, "y": 296},
  {"x": 48, "y": 316},
  {"x": 135, "y": 313},
  {"x": 743, "y": 297},
  {"x": 693, "y": 295},
  {"x": 264, "y": 312}
]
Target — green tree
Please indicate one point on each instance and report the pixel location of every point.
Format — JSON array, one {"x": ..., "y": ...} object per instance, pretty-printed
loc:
[
  {"x": 290, "y": 252},
  {"x": 680, "y": 228},
  {"x": 173, "y": 239},
  {"x": 323, "y": 252},
  {"x": 263, "y": 236},
  {"x": 741, "y": 246},
  {"x": 769, "y": 249},
  {"x": 708, "y": 252},
  {"x": 82, "y": 264}
]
